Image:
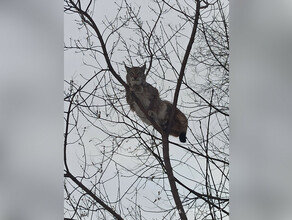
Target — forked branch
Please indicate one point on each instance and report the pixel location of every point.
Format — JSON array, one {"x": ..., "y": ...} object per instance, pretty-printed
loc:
[{"x": 168, "y": 166}]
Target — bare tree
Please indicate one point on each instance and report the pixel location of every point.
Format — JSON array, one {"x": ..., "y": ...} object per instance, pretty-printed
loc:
[{"x": 117, "y": 166}]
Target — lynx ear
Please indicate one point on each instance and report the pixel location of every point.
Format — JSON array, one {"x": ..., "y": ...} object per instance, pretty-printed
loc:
[
  {"x": 126, "y": 66},
  {"x": 144, "y": 67}
]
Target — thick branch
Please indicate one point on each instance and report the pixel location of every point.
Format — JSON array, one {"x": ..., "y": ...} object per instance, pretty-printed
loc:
[
  {"x": 98, "y": 200},
  {"x": 165, "y": 141},
  {"x": 86, "y": 18},
  {"x": 185, "y": 59},
  {"x": 171, "y": 178}
]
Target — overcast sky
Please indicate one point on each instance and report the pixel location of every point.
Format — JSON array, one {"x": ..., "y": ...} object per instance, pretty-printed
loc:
[{"x": 31, "y": 94}]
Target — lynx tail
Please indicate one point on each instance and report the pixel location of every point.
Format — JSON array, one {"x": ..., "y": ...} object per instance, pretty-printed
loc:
[{"x": 182, "y": 137}]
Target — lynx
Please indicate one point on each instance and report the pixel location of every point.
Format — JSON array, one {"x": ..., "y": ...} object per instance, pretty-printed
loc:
[
  {"x": 146, "y": 93},
  {"x": 156, "y": 108}
]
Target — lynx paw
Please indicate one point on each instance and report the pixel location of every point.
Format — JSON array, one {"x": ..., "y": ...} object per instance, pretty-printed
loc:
[
  {"x": 163, "y": 124},
  {"x": 151, "y": 113}
]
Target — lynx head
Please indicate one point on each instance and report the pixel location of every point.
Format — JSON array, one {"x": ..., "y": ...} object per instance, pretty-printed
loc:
[{"x": 135, "y": 75}]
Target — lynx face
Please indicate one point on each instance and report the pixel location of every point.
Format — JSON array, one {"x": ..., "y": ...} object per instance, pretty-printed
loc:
[{"x": 135, "y": 75}]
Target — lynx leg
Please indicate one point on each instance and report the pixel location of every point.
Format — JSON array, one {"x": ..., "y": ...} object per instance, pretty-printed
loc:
[
  {"x": 157, "y": 119},
  {"x": 163, "y": 116},
  {"x": 163, "y": 124}
]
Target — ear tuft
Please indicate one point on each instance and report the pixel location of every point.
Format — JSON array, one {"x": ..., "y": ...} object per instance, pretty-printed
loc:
[
  {"x": 144, "y": 66},
  {"x": 126, "y": 66}
]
